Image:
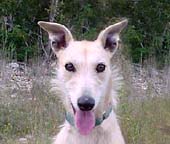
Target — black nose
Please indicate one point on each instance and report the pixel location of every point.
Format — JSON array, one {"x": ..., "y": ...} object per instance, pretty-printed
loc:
[{"x": 86, "y": 103}]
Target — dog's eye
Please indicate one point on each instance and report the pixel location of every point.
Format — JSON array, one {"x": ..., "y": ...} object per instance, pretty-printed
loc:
[
  {"x": 70, "y": 67},
  {"x": 100, "y": 67}
]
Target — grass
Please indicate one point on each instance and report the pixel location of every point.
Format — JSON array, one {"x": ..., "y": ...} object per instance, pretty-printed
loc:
[
  {"x": 36, "y": 119},
  {"x": 143, "y": 122},
  {"x": 146, "y": 121}
]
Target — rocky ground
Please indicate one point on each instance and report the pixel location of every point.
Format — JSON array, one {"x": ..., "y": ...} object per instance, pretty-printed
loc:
[
  {"x": 20, "y": 77},
  {"x": 150, "y": 80}
]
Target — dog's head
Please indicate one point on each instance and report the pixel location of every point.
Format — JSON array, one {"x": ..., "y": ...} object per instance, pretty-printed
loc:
[{"x": 84, "y": 70}]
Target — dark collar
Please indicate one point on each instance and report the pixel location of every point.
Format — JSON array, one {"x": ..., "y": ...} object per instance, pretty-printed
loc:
[{"x": 70, "y": 118}]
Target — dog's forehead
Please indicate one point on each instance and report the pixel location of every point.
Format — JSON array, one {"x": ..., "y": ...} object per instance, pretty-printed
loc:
[{"x": 85, "y": 51}]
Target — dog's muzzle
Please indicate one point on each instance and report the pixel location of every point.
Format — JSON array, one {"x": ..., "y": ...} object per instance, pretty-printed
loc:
[{"x": 84, "y": 118}]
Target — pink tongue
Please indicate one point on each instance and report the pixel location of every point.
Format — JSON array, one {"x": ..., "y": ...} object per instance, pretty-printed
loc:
[{"x": 85, "y": 121}]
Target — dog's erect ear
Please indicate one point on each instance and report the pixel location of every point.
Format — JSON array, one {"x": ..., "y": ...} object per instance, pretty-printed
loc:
[
  {"x": 59, "y": 35},
  {"x": 109, "y": 37}
]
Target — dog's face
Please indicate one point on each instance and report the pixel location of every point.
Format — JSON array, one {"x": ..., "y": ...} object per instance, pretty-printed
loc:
[{"x": 84, "y": 67}]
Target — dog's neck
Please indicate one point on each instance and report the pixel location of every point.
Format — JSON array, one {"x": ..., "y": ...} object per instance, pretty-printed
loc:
[{"x": 70, "y": 118}]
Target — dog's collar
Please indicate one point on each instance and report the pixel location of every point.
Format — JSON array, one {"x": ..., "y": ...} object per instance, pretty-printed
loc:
[{"x": 70, "y": 118}]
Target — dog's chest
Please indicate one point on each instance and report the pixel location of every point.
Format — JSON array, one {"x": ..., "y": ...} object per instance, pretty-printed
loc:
[
  {"x": 94, "y": 138},
  {"x": 97, "y": 140}
]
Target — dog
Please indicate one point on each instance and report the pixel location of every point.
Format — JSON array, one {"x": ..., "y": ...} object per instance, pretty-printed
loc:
[{"x": 88, "y": 84}]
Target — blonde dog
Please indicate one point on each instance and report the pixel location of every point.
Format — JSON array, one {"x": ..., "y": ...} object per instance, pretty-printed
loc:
[{"x": 88, "y": 84}]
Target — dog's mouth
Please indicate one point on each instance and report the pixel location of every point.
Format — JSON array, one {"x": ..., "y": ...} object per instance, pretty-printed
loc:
[{"x": 84, "y": 120}]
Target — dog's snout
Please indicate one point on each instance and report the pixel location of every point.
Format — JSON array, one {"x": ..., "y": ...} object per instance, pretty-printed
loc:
[{"x": 86, "y": 103}]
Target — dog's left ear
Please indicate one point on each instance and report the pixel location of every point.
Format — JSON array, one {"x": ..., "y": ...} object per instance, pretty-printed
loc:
[{"x": 109, "y": 37}]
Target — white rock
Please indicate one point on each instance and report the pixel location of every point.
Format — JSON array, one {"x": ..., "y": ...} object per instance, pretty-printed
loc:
[{"x": 23, "y": 140}]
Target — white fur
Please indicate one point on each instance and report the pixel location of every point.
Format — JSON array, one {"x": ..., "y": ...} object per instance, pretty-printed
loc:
[
  {"x": 102, "y": 87},
  {"x": 107, "y": 133}
]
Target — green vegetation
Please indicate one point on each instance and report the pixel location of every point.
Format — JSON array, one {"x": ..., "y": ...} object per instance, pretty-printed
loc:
[
  {"x": 37, "y": 115},
  {"x": 146, "y": 121},
  {"x": 18, "y": 33},
  {"x": 147, "y": 37}
]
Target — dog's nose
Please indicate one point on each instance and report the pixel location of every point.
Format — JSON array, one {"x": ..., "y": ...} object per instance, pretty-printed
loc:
[{"x": 86, "y": 103}]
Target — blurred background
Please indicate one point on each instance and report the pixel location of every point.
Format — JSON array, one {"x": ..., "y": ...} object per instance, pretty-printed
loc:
[{"x": 31, "y": 114}]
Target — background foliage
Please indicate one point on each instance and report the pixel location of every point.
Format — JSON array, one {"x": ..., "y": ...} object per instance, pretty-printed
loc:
[
  {"x": 29, "y": 113},
  {"x": 147, "y": 37}
]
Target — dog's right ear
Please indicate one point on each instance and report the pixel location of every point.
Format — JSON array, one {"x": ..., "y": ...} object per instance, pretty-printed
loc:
[{"x": 59, "y": 35}]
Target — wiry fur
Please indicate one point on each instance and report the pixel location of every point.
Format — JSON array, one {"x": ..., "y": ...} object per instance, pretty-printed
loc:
[{"x": 103, "y": 87}]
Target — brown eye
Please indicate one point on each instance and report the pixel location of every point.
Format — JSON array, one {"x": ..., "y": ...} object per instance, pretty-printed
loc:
[
  {"x": 70, "y": 67},
  {"x": 100, "y": 67}
]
